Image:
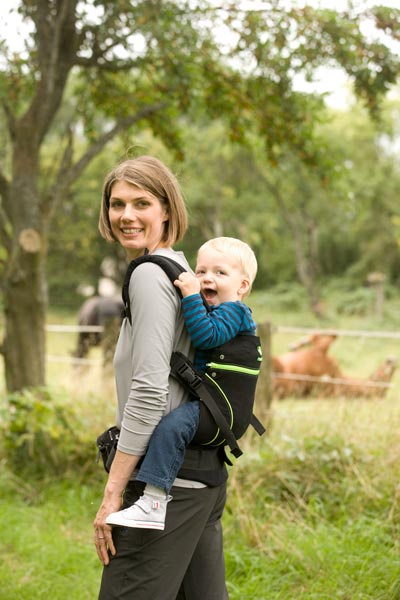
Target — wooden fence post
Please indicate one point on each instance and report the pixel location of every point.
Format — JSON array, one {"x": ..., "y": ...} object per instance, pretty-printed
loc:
[{"x": 263, "y": 398}]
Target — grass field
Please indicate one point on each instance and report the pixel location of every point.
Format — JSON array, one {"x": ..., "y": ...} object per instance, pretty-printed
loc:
[
  {"x": 313, "y": 512},
  {"x": 313, "y": 509}
]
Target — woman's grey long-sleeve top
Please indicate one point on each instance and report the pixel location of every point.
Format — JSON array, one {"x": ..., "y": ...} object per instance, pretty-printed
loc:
[{"x": 145, "y": 391}]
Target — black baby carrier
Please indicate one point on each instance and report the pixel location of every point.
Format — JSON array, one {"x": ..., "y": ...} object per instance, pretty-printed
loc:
[{"x": 227, "y": 388}]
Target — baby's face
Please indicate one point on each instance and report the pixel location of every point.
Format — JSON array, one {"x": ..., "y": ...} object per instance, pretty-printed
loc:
[{"x": 221, "y": 277}]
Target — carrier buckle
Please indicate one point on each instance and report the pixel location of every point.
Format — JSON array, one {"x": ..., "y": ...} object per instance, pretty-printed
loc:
[
  {"x": 188, "y": 375},
  {"x": 183, "y": 371}
]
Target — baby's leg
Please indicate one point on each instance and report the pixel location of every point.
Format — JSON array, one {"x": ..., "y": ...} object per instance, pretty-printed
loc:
[{"x": 166, "y": 450}]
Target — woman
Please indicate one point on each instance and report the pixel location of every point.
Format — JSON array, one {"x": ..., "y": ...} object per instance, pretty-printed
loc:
[{"x": 143, "y": 209}]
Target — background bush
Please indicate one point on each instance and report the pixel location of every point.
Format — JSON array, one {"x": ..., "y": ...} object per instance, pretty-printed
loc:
[{"x": 44, "y": 435}]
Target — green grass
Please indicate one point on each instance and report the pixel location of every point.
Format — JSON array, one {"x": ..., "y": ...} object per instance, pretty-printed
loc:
[
  {"x": 327, "y": 564},
  {"x": 313, "y": 512},
  {"x": 314, "y": 509},
  {"x": 46, "y": 541}
]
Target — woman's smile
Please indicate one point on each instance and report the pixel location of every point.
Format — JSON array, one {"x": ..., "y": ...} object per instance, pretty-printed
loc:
[{"x": 130, "y": 232}]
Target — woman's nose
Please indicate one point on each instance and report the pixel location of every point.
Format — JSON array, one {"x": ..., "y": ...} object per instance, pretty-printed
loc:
[{"x": 129, "y": 213}]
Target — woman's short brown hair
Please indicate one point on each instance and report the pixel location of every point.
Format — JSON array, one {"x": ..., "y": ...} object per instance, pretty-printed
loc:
[{"x": 150, "y": 174}]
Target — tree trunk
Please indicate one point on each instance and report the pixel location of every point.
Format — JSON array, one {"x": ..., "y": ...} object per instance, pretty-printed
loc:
[
  {"x": 304, "y": 235},
  {"x": 25, "y": 297},
  {"x": 25, "y": 309},
  {"x": 306, "y": 271}
]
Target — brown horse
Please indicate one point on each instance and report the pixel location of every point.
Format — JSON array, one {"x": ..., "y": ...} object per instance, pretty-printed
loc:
[
  {"x": 350, "y": 387},
  {"x": 309, "y": 370},
  {"x": 311, "y": 361}
]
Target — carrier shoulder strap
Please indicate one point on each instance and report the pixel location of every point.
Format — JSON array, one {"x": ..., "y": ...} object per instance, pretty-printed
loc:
[{"x": 172, "y": 269}]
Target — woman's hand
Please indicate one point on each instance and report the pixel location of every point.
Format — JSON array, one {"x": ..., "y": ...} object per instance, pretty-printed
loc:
[
  {"x": 122, "y": 467},
  {"x": 103, "y": 532}
]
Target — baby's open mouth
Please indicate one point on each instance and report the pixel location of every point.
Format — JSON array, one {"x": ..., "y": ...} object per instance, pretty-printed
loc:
[{"x": 209, "y": 294}]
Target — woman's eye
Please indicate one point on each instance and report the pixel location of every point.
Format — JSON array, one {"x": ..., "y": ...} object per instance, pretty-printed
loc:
[{"x": 116, "y": 204}]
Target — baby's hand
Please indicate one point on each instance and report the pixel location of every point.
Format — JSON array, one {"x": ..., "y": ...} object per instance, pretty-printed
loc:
[{"x": 188, "y": 284}]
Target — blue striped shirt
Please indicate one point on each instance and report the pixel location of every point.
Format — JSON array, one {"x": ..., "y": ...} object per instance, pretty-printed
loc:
[{"x": 208, "y": 330}]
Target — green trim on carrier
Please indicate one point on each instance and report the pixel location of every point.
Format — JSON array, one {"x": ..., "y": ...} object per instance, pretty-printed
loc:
[{"x": 236, "y": 368}]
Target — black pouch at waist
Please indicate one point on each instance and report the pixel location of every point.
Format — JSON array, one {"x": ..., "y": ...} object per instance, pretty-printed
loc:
[{"x": 107, "y": 446}]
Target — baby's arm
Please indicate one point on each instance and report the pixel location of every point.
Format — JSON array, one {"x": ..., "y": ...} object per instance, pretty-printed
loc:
[{"x": 188, "y": 284}]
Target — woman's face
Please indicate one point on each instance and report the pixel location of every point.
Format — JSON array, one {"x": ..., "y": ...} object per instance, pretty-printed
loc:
[{"x": 137, "y": 218}]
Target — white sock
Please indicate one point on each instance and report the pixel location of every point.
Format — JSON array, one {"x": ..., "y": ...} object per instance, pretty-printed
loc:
[{"x": 155, "y": 491}]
